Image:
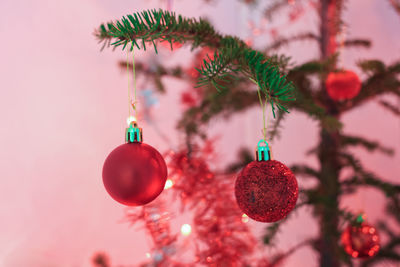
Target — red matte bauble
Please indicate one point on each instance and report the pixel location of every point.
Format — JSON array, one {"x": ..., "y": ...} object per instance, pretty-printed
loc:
[
  {"x": 343, "y": 85},
  {"x": 266, "y": 191},
  {"x": 360, "y": 241},
  {"x": 134, "y": 174}
]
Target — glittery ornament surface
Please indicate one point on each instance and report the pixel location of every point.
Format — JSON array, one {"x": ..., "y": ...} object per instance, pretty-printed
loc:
[
  {"x": 343, "y": 85},
  {"x": 266, "y": 190},
  {"x": 360, "y": 241}
]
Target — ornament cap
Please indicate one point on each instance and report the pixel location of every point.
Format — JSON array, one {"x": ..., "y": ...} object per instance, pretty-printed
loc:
[
  {"x": 360, "y": 218},
  {"x": 133, "y": 133},
  {"x": 263, "y": 153}
]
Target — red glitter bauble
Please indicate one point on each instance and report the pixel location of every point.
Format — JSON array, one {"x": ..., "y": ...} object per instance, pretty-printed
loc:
[
  {"x": 134, "y": 174},
  {"x": 266, "y": 191},
  {"x": 343, "y": 85},
  {"x": 361, "y": 241}
]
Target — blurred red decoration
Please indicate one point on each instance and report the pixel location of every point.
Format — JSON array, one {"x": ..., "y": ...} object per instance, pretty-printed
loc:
[
  {"x": 156, "y": 220},
  {"x": 100, "y": 259},
  {"x": 188, "y": 99},
  {"x": 249, "y": 42},
  {"x": 134, "y": 174},
  {"x": 360, "y": 241},
  {"x": 343, "y": 85},
  {"x": 175, "y": 45},
  {"x": 220, "y": 235},
  {"x": 266, "y": 190}
]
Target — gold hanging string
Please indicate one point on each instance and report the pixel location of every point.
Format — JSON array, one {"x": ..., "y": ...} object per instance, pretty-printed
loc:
[
  {"x": 263, "y": 104},
  {"x": 129, "y": 84},
  {"x": 131, "y": 103},
  {"x": 134, "y": 102}
]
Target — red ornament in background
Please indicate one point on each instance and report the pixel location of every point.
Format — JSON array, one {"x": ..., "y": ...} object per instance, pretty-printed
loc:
[
  {"x": 175, "y": 45},
  {"x": 188, "y": 99},
  {"x": 134, "y": 173},
  {"x": 343, "y": 85},
  {"x": 266, "y": 190},
  {"x": 360, "y": 241},
  {"x": 205, "y": 53}
]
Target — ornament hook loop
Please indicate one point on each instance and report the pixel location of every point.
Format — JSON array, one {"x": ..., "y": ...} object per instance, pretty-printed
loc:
[
  {"x": 133, "y": 133},
  {"x": 263, "y": 153}
]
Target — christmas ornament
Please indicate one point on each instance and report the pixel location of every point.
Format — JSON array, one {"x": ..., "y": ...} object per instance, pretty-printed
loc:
[
  {"x": 266, "y": 190},
  {"x": 360, "y": 240},
  {"x": 134, "y": 173},
  {"x": 343, "y": 85}
]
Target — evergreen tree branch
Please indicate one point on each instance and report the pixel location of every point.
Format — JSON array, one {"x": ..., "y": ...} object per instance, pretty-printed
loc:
[
  {"x": 308, "y": 36},
  {"x": 273, "y": 229},
  {"x": 396, "y": 5},
  {"x": 305, "y": 171},
  {"x": 149, "y": 26},
  {"x": 274, "y": 7},
  {"x": 275, "y": 126},
  {"x": 245, "y": 157},
  {"x": 389, "y": 106},
  {"x": 230, "y": 60},
  {"x": 357, "y": 43},
  {"x": 233, "y": 55},
  {"x": 363, "y": 177},
  {"x": 278, "y": 259},
  {"x": 371, "y": 146}
]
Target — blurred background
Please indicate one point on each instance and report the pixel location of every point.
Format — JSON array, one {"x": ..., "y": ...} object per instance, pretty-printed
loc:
[{"x": 63, "y": 109}]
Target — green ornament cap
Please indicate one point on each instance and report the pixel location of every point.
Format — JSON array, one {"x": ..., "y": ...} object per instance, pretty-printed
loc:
[
  {"x": 263, "y": 153},
  {"x": 133, "y": 134},
  {"x": 360, "y": 218}
]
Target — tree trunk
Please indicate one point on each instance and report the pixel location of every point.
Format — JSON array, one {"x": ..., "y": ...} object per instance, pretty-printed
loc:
[{"x": 329, "y": 189}]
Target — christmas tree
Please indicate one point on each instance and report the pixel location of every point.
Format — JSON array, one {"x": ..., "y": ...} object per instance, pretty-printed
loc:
[{"x": 228, "y": 77}]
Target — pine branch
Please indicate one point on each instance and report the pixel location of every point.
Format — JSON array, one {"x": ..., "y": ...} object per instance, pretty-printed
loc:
[
  {"x": 393, "y": 207},
  {"x": 357, "y": 43},
  {"x": 274, "y": 7},
  {"x": 232, "y": 59},
  {"x": 273, "y": 229},
  {"x": 308, "y": 36},
  {"x": 389, "y": 106},
  {"x": 148, "y": 26},
  {"x": 396, "y": 5},
  {"x": 275, "y": 127},
  {"x": 101, "y": 259},
  {"x": 233, "y": 55},
  {"x": 305, "y": 171},
  {"x": 271, "y": 232},
  {"x": 245, "y": 157},
  {"x": 371, "y": 146},
  {"x": 278, "y": 259},
  {"x": 363, "y": 177}
]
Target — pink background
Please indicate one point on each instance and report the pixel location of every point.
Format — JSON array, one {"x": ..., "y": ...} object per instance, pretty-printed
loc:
[{"x": 63, "y": 109}]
